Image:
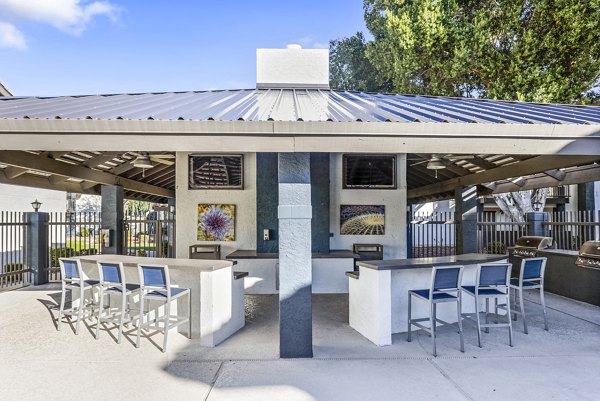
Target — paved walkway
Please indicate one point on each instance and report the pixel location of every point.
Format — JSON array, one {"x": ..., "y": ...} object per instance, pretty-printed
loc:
[{"x": 39, "y": 363}]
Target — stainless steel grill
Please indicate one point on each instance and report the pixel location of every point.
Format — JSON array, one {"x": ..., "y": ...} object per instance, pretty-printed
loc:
[
  {"x": 528, "y": 246},
  {"x": 589, "y": 255}
]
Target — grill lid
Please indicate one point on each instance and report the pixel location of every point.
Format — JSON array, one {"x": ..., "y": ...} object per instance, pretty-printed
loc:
[
  {"x": 534, "y": 242},
  {"x": 590, "y": 249}
]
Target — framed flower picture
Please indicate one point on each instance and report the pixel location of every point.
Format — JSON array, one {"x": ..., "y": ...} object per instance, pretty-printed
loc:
[{"x": 216, "y": 222}]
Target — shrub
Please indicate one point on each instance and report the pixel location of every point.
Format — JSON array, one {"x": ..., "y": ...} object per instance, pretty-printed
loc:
[
  {"x": 13, "y": 267},
  {"x": 64, "y": 252},
  {"x": 85, "y": 232},
  {"x": 495, "y": 247},
  {"x": 141, "y": 252}
]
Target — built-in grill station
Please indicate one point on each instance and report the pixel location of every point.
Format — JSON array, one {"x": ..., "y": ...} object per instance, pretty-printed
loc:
[
  {"x": 589, "y": 255},
  {"x": 528, "y": 247}
]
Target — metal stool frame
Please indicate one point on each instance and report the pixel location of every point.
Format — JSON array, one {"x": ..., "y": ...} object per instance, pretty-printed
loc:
[
  {"x": 445, "y": 287},
  {"x": 531, "y": 277},
  {"x": 112, "y": 281},
  {"x": 492, "y": 282},
  {"x": 72, "y": 278},
  {"x": 156, "y": 286}
]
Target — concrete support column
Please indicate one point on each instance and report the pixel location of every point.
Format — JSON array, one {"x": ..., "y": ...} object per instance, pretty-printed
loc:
[
  {"x": 466, "y": 206},
  {"x": 37, "y": 246},
  {"x": 295, "y": 261},
  {"x": 535, "y": 224},
  {"x": 112, "y": 217}
]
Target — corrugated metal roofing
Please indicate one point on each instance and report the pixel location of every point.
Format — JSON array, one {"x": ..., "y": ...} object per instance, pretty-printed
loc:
[{"x": 293, "y": 105}]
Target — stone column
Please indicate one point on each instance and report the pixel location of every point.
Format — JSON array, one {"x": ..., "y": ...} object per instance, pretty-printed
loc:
[
  {"x": 466, "y": 205},
  {"x": 295, "y": 261},
  {"x": 535, "y": 224},
  {"x": 112, "y": 217},
  {"x": 36, "y": 244}
]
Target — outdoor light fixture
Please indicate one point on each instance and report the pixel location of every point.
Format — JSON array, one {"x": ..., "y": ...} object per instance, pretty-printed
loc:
[
  {"x": 142, "y": 161},
  {"x": 36, "y": 204},
  {"x": 435, "y": 164},
  {"x": 537, "y": 205}
]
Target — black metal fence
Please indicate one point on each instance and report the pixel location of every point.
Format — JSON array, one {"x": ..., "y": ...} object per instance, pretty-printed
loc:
[
  {"x": 14, "y": 272},
  {"x": 151, "y": 234},
  {"x": 570, "y": 230},
  {"x": 432, "y": 234},
  {"x": 496, "y": 232},
  {"x": 72, "y": 234}
]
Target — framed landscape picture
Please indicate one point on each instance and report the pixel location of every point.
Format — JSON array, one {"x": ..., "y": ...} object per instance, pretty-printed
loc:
[
  {"x": 362, "y": 219},
  {"x": 216, "y": 222},
  {"x": 216, "y": 172}
]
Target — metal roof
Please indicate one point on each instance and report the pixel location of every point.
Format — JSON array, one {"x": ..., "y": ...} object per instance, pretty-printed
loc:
[{"x": 293, "y": 105}]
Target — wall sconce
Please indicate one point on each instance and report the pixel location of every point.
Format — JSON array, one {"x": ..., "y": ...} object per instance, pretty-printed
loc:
[{"x": 36, "y": 204}]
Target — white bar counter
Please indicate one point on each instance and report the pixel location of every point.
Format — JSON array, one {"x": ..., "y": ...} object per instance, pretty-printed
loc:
[
  {"x": 378, "y": 294},
  {"x": 328, "y": 271},
  {"x": 217, "y": 299}
]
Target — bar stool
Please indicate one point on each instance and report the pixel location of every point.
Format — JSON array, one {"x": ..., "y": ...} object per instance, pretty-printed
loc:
[
  {"x": 445, "y": 287},
  {"x": 156, "y": 286},
  {"x": 492, "y": 282},
  {"x": 112, "y": 281},
  {"x": 531, "y": 277},
  {"x": 72, "y": 279}
]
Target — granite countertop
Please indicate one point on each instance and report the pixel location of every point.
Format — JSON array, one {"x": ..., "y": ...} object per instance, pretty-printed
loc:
[
  {"x": 418, "y": 263},
  {"x": 542, "y": 252},
  {"x": 200, "y": 264},
  {"x": 252, "y": 254}
]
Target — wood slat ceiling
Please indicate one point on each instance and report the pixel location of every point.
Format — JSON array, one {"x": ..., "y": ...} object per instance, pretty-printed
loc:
[{"x": 90, "y": 169}]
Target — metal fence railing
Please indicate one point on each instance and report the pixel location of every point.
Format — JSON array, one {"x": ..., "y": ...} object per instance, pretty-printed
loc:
[
  {"x": 151, "y": 234},
  {"x": 570, "y": 230},
  {"x": 72, "y": 234},
  {"x": 496, "y": 232},
  {"x": 432, "y": 234},
  {"x": 14, "y": 272}
]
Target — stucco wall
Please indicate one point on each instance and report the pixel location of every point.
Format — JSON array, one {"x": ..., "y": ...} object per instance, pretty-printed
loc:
[
  {"x": 394, "y": 240},
  {"x": 187, "y": 208}
]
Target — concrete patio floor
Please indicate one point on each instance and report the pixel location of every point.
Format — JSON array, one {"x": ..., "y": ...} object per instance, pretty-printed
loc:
[{"x": 39, "y": 363}]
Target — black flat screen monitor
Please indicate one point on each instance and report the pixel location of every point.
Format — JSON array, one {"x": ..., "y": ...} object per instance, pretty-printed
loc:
[{"x": 368, "y": 171}]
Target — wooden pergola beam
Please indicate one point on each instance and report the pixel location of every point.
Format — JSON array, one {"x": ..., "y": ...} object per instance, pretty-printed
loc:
[
  {"x": 573, "y": 177},
  {"x": 530, "y": 166},
  {"x": 33, "y": 162}
]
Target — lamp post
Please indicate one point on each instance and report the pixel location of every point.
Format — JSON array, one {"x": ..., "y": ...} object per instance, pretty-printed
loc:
[{"x": 36, "y": 204}]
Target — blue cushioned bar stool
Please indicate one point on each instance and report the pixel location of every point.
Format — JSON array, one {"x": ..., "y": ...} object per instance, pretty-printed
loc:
[
  {"x": 112, "y": 282},
  {"x": 73, "y": 279},
  {"x": 492, "y": 282},
  {"x": 531, "y": 277},
  {"x": 156, "y": 286},
  {"x": 445, "y": 287}
]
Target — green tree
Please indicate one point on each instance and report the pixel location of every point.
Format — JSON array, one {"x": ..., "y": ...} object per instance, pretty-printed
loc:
[
  {"x": 349, "y": 68},
  {"x": 528, "y": 50},
  {"x": 137, "y": 208}
]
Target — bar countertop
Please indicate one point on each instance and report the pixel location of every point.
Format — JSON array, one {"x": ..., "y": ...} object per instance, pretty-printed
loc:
[
  {"x": 418, "y": 263},
  {"x": 252, "y": 254},
  {"x": 198, "y": 264}
]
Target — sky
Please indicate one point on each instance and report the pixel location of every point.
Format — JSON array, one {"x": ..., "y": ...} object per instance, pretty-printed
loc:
[{"x": 74, "y": 47}]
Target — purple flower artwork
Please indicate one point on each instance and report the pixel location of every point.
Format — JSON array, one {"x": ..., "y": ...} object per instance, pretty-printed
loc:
[{"x": 216, "y": 222}]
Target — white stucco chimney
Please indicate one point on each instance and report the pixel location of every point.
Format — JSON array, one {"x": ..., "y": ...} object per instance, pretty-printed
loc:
[{"x": 292, "y": 68}]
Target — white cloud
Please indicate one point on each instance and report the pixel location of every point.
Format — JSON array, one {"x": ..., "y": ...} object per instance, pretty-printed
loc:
[
  {"x": 71, "y": 16},
  {"x": 310, "y": 42},
  {"x": 10, "y": 36}
]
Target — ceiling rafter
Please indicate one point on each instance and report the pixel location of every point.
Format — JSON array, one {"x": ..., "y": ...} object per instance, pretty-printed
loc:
[
  {"x": 47, "y": 165},
  {"x": 530, "y": 166}
]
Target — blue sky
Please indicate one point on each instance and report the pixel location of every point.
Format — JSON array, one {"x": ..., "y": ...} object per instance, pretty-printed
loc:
[{"x": 68, "y": 47}]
